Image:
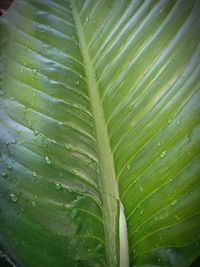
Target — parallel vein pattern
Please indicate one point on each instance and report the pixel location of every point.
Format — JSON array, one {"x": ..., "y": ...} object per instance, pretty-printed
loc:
[
  {"x": 98, "y": 95},
  {"x": 50, "y": 184},
  {"x": 147, "y": 67}
]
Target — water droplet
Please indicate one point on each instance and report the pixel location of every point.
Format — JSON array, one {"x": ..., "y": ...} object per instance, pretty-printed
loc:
[
  {"x": 174, "y": 57},
  {"x": 163, "y": 154},
  {"x": 34, "y": 71},
  {"x": 142, "y": 211},
  {"x": 34, "y": 174},
  {"x": 3, "y": 174},
  {"x": 189, "y": 137},
  {"x": 48, "y": 161},
  {"x": 169, "y": 121},
  {"x": 130, "y": 108},
  {"x": 58, "y": 186},
  {"x": 54, "y": 141},
  {"x": 66, "y": 207},
  {"x": 192, "y": 44},
  {"x": 33, "y": 203},
  {"x": 141, "y": 188},
  {"x": 45, "y": 145},
  {"x": 36, "y": 133},
  {"x": 177, "y": 217},
  {"x": 13, "y": 197},
  {"x": 77, "y": 82},
  {"x": 9, "y": 168},
  {"x": 128, "y": 166},
  {"x": 173, "y": 203},
  {"x": 87, "y": 19},
  {"x": 74, "y": 213},
  {"x": 68, "y": 147}
]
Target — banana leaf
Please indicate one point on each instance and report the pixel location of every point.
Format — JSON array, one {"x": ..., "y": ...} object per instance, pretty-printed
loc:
[{"x": 99, "y": 133}]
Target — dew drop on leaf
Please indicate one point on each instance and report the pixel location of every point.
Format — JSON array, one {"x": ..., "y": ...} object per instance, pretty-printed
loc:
[
  {"x": 34, "y": 174},
  {"x": 128, "y": 166},
  {"x": 3, "y": 174},
  {"x": 9, "y": 168},
  {"x": 68, "y": 147},
  {"x": 33, "y": 203},
  {"x": 58, "y": 186},
  {"x": 36, "y": 133},
  {"x": 177, "y": 218},
  {"x": 173, "y": 203},
  {"x": 169, "y": 121},
  {"x": 192, "y": 44},
  {"x": 130, "y": 108},
  {"x": 48, "y": 161},
  {"x": 74, "y": 213},
  {"x": 13, "y": 197},
  {"x": 87, "y": 19},
  {"x": 163, "y": 154}
]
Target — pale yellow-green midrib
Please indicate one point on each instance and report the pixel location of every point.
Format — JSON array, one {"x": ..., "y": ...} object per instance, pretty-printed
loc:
[{"x": 109, "y": 186}]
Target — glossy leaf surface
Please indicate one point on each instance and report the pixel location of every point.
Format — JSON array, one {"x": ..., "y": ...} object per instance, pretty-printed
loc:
[{"x": 100, "y": 105}]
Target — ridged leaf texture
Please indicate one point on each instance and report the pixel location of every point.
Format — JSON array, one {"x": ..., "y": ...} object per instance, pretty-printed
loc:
[{"x": 100, "y": 105}]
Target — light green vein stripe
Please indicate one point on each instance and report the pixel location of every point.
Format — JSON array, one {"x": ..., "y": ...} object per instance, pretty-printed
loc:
[{"x": 107, "y": 171}]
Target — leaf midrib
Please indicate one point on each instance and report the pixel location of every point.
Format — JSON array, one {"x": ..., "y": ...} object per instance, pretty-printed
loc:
[{"x": 109, "y": 187}]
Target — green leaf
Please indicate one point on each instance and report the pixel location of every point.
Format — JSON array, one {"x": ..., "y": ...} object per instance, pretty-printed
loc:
[{"x": 100, "y": 111}]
